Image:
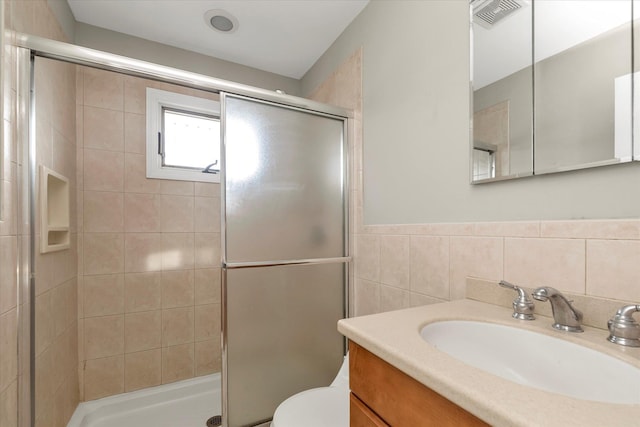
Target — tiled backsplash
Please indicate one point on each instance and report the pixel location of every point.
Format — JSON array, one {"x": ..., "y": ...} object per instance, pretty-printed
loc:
[
  {"x": 407, "y": 265},
  {"x": 596, "y": 311}
]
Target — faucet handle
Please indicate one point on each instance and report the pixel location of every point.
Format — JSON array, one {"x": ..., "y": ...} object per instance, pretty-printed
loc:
[
  {"x": 623, "y": 328},
  {"x": 522, "y": 306}
]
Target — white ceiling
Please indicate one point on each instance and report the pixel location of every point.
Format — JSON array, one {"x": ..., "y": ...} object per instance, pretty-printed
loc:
[{"x": 285, "y": 37}]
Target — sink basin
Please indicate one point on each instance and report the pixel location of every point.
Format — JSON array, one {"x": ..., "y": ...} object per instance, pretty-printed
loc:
[{"x": 537, "y": 360}]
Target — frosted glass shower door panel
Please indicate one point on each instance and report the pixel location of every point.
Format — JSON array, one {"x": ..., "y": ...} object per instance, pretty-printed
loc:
[
  {"x": 281, "y": 335},
  {"x": 284, "y": 177}
]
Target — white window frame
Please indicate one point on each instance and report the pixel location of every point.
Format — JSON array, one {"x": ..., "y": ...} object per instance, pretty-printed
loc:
[{"x": 157, "y": 100}]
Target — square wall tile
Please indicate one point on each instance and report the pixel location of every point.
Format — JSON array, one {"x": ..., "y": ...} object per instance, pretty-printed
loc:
[
  {"x": 104, "y": 89},
  {"x": 207, "y": 214},
  {"x": 179, "y": 188},
  {"x": 207, "y": 189},
  {"x": 135, "y": 175},
  {"x": 368, "y": 259},
  {"x": 394, "y": 266},
  {"x": 430, "y": 265},
  {"x": 392, "y": 298},
  {"x": 80, "y": 84},
  {"x": 142, "y": 369},
  {"x": 103, "y": 253},
  {"x": 8, "y": 278},
  {"x": 103, "y": 129},
  {"x": 176, "y": 213},
  {"x": 45, "y": 332},
  {"x": 208, "y": 320},
  {"x": 508, "y": 229},
  {"x": 177, "y": 288},
  {"x": 367, "y": 297},
  {"x": 142, "y": 212},
  {"x": 613, "y": 269},
  {"x": 135, "y": 94},
  {"x": 103, "y": 377},
  {"x": 207, "y": 286},
  {"x": 207, "y": 250},
  {"x": 207, "y": 357},
  {"x": 43, "y": 382},
  {"x": 418, "y": 300},
  {"x": 143, "y": 291},
  {"x": 103, "y": 170},
  {"x": 8, "y": 343},
  {"x": 103, "y": 295},
  {"x": 135, "y": 133},
  {"x": 178, "y": 251},
  {"x": 103, "y": 336},
  {"x": 64, "y": 306},
  {"x": 142, "y": 331},
  {"x": 103, "y": 211},
  {"x": 177, "y": 363},
  {"x": 143, "y": 252},
  {"x": 559, "y": 263},
  {"x": 177, "y": 326},
  {"x": 480, "y": 257},
  {"x": 9, "y": 405},
  {"x": 592, "y": 229}
]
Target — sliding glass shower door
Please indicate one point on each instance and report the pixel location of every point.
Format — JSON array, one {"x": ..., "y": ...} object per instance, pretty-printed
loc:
[{"x": 284, "y": 254}]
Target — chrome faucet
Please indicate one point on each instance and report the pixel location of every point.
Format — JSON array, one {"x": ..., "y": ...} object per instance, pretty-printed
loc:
[
  {"x": 623, "y": 328},
  {"x": 565, "y": 316},
  {"x": 522, "y": 306}
]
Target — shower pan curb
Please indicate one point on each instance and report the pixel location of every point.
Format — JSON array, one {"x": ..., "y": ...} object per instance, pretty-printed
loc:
[{"x": 133, "y": 404}]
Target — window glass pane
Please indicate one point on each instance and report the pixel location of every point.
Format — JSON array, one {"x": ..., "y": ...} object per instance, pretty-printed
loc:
[
  {"x": 483, "y": 164},
  {"x": 190, "y": 140}
]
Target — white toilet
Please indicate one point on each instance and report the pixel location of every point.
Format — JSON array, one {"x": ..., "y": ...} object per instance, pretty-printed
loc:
[{"x": 318, "y": 407}]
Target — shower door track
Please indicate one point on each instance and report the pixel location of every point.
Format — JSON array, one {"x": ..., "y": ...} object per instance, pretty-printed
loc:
[{"x": 79, "y": 55}]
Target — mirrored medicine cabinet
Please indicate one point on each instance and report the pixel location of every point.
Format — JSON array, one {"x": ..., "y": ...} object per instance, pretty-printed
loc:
[{"x": 552, "y": 85}]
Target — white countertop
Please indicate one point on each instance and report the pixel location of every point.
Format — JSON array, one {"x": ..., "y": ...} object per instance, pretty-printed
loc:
[{"x": 395, "y": 337}]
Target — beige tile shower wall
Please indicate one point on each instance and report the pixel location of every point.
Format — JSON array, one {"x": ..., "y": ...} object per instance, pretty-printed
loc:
[
  {"x": 593, "y": 258},
  {"x": 149, "y": 296},
  {"x": 56, "y": 337},
  {"x": 9, "y": 302},
  {"x": 56, "y": 348}
]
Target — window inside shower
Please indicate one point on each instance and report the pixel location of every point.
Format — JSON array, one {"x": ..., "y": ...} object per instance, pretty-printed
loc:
[{"x": 183, "y": 137}]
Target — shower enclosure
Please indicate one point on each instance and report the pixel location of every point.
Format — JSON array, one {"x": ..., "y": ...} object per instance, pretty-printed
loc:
[
  {"x": 284, "y": 232},
  {"x": 284, "y": 254}
]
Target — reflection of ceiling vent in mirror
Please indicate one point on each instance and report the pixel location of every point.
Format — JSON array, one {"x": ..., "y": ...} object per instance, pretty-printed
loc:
[{"x": 488, "y": 13}]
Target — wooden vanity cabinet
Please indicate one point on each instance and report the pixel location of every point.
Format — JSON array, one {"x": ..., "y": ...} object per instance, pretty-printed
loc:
[{"x": 382, "y": 395}]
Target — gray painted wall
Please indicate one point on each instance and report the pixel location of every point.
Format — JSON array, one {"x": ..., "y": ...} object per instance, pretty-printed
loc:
[
  {"x": 64, "y": 16},
  {"x": 416, "y": 128},
  {"x": 575, "y": 100},
  {"x": 135, "y": 47}
]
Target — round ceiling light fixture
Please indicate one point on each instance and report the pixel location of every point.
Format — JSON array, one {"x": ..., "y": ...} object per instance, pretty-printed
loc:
[{"x": 221, "y": 21}]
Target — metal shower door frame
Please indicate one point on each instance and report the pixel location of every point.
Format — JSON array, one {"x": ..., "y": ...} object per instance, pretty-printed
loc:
[{"x": 345, "y": 260}]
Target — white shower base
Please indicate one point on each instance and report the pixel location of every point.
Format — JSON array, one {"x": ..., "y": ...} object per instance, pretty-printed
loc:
[{"x": 188, "y": 403}]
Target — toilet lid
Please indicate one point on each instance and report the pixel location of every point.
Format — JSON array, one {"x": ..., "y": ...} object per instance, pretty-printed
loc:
[{"x": 318, "y": 407}]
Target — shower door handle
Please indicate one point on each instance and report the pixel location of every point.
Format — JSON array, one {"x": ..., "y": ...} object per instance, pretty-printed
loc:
[{"x": 256, "y": 264}]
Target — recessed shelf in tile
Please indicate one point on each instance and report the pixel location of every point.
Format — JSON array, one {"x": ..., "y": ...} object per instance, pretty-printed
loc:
[{"x": 54, "y": 211}]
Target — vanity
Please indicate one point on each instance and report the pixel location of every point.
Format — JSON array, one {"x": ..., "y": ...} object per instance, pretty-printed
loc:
[
  {"x": 382, "y": 395},
  {"x": 399, "y": 379}
]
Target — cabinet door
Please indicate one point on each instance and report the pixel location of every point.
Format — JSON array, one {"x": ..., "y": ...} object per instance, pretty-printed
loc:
[
  {"x": 361, "y": 416},
  {"x": 397, "y": 398}
]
